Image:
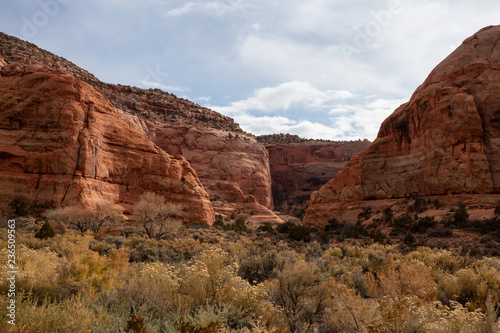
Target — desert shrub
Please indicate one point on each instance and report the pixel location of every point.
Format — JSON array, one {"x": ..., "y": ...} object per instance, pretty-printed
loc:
[
  {"x": 348, "y": 311},
  {"x": 401, "y": 225},
  {"x": 324, "y": 237},
  {"x": 356, "y": 231},
  {"x": 418, "y": 206},
  {"x": 45, "y": 231},
  {"x": 74, "y": 315},
  {"x": 101, "y": 247},
  {"x": 155, "y": 215},
  {"x": 409, "y": 239},
  {"x": 497, "y": 211},
  {"x": 284, "y": 228},
  {"x": 299, "y": 233},
  {"x": 333, "y": 225},
  {"x": 261, "y": 266},
  {"x": 196, "y": 224},
  {"x": 267, "y": 228},
  {"x": 487, "y": 225},
  {"x": 239, "y": 225},
  {"x": 423, "y": 224},
  {"x": 140, "y": 250},
  {"x": 437, "y": 204},
  {"x": 401, "y": 288},
  {"x": 73, "y": 283},
  {"x": 461, "y": 217},
  {"x": 379, "y": 237},
  {"x": 299, "y": 290},
  {"x": 212, "y": 327},
  {"x": 366, "y": 213},
  {"x": 219, "y": 221},
  {"x": 136, "y": 324},
  {"x": 441, "y": 233},
  {"x": 19, "y": 206},
  {"x": 387, "y": 214}
]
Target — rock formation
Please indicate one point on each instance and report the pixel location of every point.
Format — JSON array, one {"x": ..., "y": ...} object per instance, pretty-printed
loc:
[
  {"x": 445, "y": 140},
  {"x": 298, "y": 169},
  {"x": 62, "y": 141},
  {"x": 218, "y": 156},
  {"x": 216, "y": 147}
]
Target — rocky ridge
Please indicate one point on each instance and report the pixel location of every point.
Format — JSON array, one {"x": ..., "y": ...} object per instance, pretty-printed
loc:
[{"x": 445, "y": 141}]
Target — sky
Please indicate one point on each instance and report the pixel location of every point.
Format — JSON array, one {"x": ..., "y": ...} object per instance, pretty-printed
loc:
[{"x": 323, "y": 69}]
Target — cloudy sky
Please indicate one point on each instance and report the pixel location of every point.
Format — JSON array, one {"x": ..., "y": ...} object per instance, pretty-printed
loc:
[{"x": 332, "y": 69}]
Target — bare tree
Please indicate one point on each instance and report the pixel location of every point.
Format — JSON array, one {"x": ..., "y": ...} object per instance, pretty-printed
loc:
[
  {"x": 155, "y": 214},
  {"x": 85, "y": 218}
]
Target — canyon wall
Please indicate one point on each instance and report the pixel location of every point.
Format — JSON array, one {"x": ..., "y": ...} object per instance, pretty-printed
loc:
[
  {"x": 444, "y": 141},
  {"x": 63, "y": 142},
  {"x": 300, "y": 168}
]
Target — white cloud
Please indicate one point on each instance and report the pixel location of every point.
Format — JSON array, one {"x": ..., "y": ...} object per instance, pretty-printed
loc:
[
  {"x": 214, "y": 7},
  {"x": 157, "y": 85},
  {"x": 277, "y": 124},
  {"x": 286, "y": 95},
  {"x": 343, "y": 116},
  {"x": 205, "y": 99}
]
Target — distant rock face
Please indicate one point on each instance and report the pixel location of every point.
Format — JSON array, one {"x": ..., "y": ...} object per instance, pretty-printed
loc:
[
  {"x": 298, "y": 169},
  {"x": 63, "y": 142},
  {"x": 229, "y": 164},
  {"x": 445, "y": 140}
]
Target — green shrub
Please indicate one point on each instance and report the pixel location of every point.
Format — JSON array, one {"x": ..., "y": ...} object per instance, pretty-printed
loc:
[
  {"x": 356, "y": 231},
  {"x": 333, "y": 225},
  {"x": 299, "y": 233},
  {"x": 18, "y": 205},
  {"x": 199, "y": 225},
  {"x": 239, "y": 225},
  {"x": 404, "y": 221},
  {"x": 324, "y": 237},
  {"x": 219, "y": 223},
  {"x": 379, "y": 237},
  {"x": 284, "y": 228},
  {"x": 259, "y": 266},
  {"x": 418, "y": 206},
  {"x": 461, "y": 217},
  {"x": 437, "y": 204},
  {"x": 409, "y": 239},
  {"x": 497, "y": 210},
  {"x": 45, "y": 231},
  {"x": 267, "y": 228},
  {"x": 423, "y": 224},
  {"x": 387, "y": 214},
  {"x": 366, "y": 213}
]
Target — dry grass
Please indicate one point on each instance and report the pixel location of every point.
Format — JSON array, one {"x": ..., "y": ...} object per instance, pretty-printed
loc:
[{"x": 74, "y": 283}]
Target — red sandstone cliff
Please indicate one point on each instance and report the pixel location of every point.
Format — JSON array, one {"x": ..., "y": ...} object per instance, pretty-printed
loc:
[
  {"x": 62, "y": 141},
  {"x": 445, "y": 140},
  {"x": 300, "y": 168},
  {"x": 215, "y": 146}
]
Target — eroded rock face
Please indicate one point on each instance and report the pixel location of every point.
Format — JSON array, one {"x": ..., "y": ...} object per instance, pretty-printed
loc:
[
  {"x": 445, "y": 140},
  {"x": 63, "y": 142},
  {"x": 299, "y": 169},
  {"x": 217, "y": 156},
  {"x": 214, "y": 144}
]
